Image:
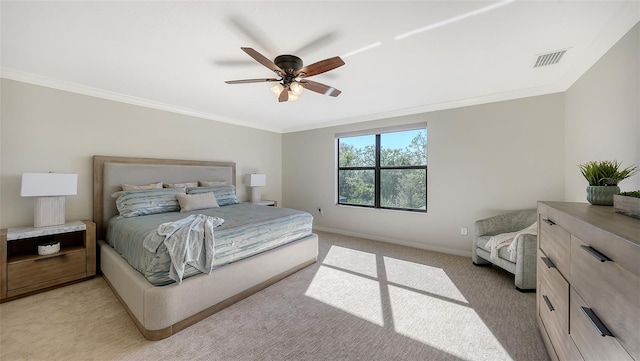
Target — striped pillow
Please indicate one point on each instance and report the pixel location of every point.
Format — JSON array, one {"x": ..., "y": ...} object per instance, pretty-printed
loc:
[
  {"x": 142, "y": 202},
  {"x": 210, "y": 183},
  {"x": 225, "y": 194}
]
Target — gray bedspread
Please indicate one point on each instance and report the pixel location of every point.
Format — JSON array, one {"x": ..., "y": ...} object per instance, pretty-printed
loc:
[{"x": 248, "y": 229}]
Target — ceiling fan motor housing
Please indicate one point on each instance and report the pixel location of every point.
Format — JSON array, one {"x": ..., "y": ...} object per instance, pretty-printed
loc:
[{"x": 288, "y": 63}]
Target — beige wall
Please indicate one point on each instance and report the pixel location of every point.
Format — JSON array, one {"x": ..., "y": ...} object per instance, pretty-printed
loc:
[
  {"x": 44, "y": 129},
  {"x": 603, "y": 115},
  {"x": 486, "y": 159},
  {"x": 482, "y": 160}
]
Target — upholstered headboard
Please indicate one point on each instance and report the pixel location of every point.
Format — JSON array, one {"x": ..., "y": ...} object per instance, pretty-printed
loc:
[{"x": 109, "y": 173}]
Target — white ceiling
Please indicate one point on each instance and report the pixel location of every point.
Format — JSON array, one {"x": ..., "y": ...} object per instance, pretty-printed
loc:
[{"x": 176, "y": 55}]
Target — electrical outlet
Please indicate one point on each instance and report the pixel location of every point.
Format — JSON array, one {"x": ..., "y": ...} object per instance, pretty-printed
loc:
[{"x": 464, "y": 231}]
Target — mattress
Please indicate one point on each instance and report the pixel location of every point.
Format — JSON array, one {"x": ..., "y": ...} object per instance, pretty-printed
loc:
[{"x": 248, "y": 229}]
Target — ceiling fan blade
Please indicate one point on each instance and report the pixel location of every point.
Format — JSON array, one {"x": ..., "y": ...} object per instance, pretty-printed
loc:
[
  {"x": 233, "y": 62},
  {"x": 263, "y": 60},
  {"x": 254, "y": 34},
  {"x": 284, "y": 95},
  {"x": 320, "y": 88},
  {"x": 320, "y": 67},
  {"x": 316, "y": 43},
  {"x": 243, "y": 81}
]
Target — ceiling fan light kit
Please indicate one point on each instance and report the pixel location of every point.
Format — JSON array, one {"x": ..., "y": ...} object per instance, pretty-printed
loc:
[
  {"x": 289, "y": 68},
  {"x": 294, "y": 91}
]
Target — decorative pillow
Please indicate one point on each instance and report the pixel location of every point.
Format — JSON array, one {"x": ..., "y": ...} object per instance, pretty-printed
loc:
[
  {"x": 211, "y": 183},
  {"x": 225, "y": 195},
  {"x": 132, "y": 187},
  {"x": 142, "y": 202},
  {"x": 181, "y": 185},
  {"x": 192, "y": 202}
]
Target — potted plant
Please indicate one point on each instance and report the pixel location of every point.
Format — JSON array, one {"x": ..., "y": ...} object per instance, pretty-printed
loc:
[
  {"x": 627, "y": 203},
  {"x": 603, "y": 177}
]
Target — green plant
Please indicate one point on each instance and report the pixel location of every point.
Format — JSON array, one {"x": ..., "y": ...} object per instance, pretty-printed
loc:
[
  {"x": 635, "y": 194},
  {"x": 606, "y": 172}
]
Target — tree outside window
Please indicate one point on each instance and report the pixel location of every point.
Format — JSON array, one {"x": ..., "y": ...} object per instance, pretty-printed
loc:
[{"x": 384, "y": 170}]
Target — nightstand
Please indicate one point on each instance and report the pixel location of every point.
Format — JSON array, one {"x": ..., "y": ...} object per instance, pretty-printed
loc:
[
  {"x": 266, "y": 203},
  {"x": 23, "y": 271}
]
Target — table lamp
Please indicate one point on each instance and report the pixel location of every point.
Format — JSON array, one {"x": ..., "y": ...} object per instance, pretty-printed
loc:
[
  {"x": 255, "y": 181},
  {"x": 50, "y": 188}
]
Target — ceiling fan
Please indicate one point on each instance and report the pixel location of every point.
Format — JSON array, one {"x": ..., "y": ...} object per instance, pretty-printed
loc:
[{"x": 292, "y": 75}]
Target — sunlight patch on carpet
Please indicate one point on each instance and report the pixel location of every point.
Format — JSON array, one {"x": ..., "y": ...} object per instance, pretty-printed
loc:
[
  {"x": 352, "y": 260},
  {"x": 447, "y": 326},
  {"x": 418, "y": 301},
  {"x": 421, "y": 277},
  {"x": 358, "y": 296}
]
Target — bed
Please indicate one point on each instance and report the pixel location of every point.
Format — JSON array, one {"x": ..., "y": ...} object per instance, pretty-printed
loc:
[{"x": 164, "y": 308}]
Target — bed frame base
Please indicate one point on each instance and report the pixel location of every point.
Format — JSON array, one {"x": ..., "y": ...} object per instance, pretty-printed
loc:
[
  {"x": 156, "y": 335},
  {"x": 248, "y": 273}
]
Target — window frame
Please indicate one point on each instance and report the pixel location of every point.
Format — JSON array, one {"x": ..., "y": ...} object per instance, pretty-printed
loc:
[{"x": 378, "y": 168}]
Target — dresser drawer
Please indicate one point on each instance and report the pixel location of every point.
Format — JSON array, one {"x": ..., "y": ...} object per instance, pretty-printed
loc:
[
  {"x": 555, "y": 242},
  {"x": 31, "y": 272},
  {"x": 607, "y": 286},
  {"x": 553, "y": 301},
  {"x": 588, "y": 337}
]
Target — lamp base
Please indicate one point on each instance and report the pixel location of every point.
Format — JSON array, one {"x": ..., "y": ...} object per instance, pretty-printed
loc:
[
  {"x": 49, "y": 211},
  {"x": 255, "y": 194}
]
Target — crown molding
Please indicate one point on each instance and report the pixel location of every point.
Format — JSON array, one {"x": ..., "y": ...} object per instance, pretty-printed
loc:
[{"x": 34, "y": 79}]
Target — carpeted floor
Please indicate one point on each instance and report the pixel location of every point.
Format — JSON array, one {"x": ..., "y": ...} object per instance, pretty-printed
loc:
[{"x": 362, "y": 300}]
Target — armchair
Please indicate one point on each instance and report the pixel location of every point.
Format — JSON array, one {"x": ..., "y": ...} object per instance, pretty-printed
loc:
[{"x": 524, "y": 267}]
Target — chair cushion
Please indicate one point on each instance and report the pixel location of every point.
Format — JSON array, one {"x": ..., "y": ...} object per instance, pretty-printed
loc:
[{"x": 502, "y": 252}]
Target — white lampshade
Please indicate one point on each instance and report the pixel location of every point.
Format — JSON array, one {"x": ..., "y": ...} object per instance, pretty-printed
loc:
[
  {"x": 255, "y": 180},
  {"x": 51, "y": 189},
  {"x": 48, "y": 184},
  {"x": 296, "y": 88},
  {"x": 277, "y": 89}
]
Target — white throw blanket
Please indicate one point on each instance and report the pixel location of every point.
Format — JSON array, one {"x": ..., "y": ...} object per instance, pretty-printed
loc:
[
  {"x": 188, "y": 241},
  {"x": 511, "y": 239}
]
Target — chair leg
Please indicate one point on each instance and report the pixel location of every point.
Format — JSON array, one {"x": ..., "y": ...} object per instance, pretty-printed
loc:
[
  {"x": 526, "y": 290},
  {"x": 481, "y": 264}
]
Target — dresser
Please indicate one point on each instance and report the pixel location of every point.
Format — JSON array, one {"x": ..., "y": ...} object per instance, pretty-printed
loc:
[{"x": 588, "y": 278}]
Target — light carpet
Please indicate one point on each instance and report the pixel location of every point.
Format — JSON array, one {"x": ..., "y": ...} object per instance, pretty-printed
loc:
[{"x": 362, "y": 300}]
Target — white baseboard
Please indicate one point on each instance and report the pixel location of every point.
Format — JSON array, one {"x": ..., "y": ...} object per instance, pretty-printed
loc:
[{"x": 455, "y": 252}]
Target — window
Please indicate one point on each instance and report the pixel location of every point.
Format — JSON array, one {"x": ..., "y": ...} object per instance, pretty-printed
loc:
[{"x": 384, "y": 169}]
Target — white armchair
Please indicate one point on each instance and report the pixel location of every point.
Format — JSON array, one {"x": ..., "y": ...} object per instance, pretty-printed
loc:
[{"x": 524, "y": 267}]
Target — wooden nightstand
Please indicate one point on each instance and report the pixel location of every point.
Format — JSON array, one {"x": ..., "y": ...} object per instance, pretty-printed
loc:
[
  {"x": 266, "y": 203},
  {"x": 24, "y": 272}
]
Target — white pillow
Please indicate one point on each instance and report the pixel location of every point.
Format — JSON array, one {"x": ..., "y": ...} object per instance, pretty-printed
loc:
[
  {"x": 181, "y": 185},
  {"x": 132, "y": 187},
  {"x": 192, "y": 202},
  {"x": 212, "y": 183}
]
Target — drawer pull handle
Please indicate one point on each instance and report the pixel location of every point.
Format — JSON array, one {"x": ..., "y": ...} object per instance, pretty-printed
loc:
[
  {"x": 548, "y": 262},
  {"x": 595, "y": 321},
  {"x": 599, "y": 256},
  {"x": 52, "y": 257},
  {"x": 549, "y": 305},
  {"x": 549, "y": 222}
]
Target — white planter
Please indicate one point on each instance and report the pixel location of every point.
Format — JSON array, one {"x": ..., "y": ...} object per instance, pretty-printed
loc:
[{"x": 629, "y": 206}]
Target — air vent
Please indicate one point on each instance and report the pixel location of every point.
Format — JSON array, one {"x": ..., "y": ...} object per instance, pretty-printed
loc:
[{"x": 549, "y": 58}]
